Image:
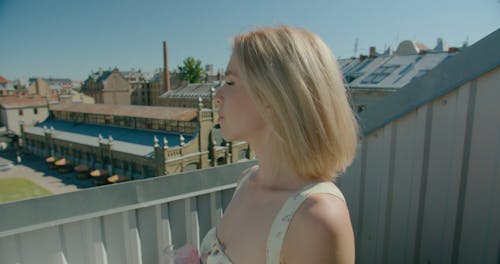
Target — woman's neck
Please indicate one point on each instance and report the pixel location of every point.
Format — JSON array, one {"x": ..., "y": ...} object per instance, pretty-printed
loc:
[{"x": 274, "y": 174}]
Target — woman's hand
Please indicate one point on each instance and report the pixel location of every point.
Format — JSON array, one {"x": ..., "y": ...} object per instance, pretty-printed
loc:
[{"x": 186, "y": 254}]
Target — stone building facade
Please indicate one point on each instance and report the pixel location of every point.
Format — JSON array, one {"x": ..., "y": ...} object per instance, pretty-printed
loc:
[
  {"x": 134, "y": 141},
  {"x": 108, "y": 87},
  {"x": 6, "y": 87},
  {"x": 40, "y": 87},
  {"x": 29, "y": 111}
]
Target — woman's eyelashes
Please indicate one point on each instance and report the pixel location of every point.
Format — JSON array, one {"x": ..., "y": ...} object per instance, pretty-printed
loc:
[{"x": 230, "y": 83}]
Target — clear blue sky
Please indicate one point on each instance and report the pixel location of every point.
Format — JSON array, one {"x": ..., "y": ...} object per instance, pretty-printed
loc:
[{"x": 70, "y": 38}]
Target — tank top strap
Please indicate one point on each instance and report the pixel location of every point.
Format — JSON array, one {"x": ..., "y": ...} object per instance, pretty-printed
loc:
[{"x": 282, "y": 220}]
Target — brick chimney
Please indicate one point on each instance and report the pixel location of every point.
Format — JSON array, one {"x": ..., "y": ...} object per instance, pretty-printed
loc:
[
  {"x": 166, "y": 74},
  {"x": 373, "y": 52},
  {"x": 37, "y": 86}
]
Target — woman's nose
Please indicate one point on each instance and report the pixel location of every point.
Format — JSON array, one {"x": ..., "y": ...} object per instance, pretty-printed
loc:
[{"x": 218, "y": 97}]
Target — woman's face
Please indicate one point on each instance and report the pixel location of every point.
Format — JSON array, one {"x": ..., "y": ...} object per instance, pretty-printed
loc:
[{"x": 239, "y": 118}]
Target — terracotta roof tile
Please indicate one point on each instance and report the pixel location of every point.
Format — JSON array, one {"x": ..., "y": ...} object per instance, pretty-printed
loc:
[
  {"x": 193, "y": 90},
  {"x": 3, "y": 80},
  {"x": 16, "y": 102}
]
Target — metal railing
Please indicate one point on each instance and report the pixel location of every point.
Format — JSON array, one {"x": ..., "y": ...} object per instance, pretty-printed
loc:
[{"x": 131, "y": 222}]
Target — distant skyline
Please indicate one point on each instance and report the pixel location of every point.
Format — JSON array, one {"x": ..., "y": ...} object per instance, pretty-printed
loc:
[{"x": 71, "y": 38}]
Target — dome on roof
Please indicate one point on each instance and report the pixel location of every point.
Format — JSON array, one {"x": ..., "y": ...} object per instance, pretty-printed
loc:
[{"x": 409, "y": 47}]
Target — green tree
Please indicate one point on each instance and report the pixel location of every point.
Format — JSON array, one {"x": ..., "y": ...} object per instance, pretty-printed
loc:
[{"x": 191, "y": 71}]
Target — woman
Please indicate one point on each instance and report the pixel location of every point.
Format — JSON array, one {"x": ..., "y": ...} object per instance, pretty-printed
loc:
[{"x": 284, "y": 95}]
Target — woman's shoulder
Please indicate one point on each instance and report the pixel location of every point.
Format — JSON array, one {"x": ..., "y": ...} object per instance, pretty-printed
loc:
[
  {"x": 328, "y": 211},
  {"x": 322, "y": 208},
  {"x": 323, "y": 220}
]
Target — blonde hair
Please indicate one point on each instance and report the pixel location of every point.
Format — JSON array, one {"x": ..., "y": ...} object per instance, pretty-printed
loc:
[{"x": 294, "y": 76}]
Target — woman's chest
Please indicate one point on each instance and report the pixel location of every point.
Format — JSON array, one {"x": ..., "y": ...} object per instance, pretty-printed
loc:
[{"x": 245, "y": 227}]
